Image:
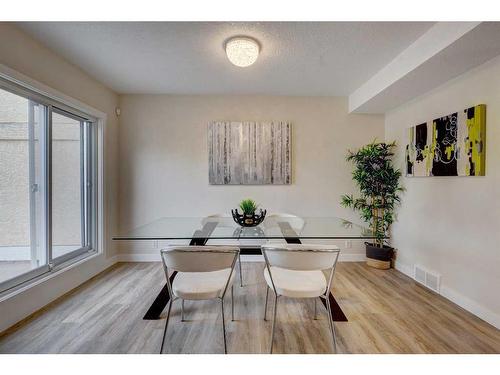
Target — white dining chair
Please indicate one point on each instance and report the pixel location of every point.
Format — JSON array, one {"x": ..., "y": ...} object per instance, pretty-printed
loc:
[
  {"x": 226, "y": 220},
  {"x": 203, "y": 273},
  {"x": 300, "y": 271},
  {"x": 272, "y": 220},
  {"x": 296, "y": 222}
]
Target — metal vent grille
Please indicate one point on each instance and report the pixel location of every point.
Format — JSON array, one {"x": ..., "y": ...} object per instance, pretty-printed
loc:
[
  {"x": 432, "y": 281},
  {"x": 420, "y": 275},
  {"x": 427, "y": 278}
]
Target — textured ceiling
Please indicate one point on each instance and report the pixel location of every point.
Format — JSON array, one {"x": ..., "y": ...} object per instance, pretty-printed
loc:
[{"x": 302, "y": 58}]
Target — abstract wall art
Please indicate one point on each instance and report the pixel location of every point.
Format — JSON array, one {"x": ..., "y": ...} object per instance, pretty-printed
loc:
[
  {"x": 249, "y": 153},
  {"x": 452, "y": 145}
]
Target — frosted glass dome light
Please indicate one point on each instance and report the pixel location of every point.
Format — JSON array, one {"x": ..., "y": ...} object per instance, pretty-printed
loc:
[{"x": 242, "y": 51}]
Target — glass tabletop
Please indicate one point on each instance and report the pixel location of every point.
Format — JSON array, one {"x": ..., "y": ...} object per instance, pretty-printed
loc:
[{"x": 224, "y": 227}]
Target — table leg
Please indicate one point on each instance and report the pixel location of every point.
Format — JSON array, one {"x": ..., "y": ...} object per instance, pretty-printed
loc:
[
  {"x": 160, "y": 302},
  {"x": 337, "y": 313}
]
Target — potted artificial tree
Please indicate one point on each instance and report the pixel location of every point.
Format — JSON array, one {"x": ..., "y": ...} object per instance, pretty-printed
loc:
[{"x": 378, "y": 183}]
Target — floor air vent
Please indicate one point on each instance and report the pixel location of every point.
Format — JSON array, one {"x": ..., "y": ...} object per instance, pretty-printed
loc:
[
  {"x": 420, "y": 275},
  {"x": 429, "y": 279}
]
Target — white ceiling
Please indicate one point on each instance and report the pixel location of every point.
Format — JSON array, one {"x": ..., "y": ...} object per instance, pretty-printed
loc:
[
  {"x": 444, "y": 52},
  {"x": 306, "y": 58}
]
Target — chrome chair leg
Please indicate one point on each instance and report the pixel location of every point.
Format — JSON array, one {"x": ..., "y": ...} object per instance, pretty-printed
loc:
[
  {"x": 265, "y": 306},
  {"x": 223, "y": 325},
  {"x": 182, "y": 310},
  {"x": 232, "y": 303},
  {"x": 166, "y": 326},
  {"x": 241, "y": 274},
  {"x": 274, "y": 323},
  {"x": 315, "y": 309},
  {"x": 332, "y": 326}
]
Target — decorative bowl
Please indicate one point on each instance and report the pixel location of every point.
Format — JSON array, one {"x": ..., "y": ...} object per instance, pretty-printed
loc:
[{"x": 246, "y": 220}]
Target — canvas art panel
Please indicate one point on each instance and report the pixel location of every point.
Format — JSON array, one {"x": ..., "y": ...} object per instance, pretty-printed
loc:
[
  {"x": 249, "y": 153},
  {"x": 452, "y": 145}
]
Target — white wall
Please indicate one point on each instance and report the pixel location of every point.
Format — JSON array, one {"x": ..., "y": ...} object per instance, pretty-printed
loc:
[
  {"x": 164, "y": 157},
  {"x": 451, "y": 224},
  {"x": 28, "y": 57}
]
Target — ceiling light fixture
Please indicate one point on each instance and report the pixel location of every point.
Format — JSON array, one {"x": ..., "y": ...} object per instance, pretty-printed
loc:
[{"x": 242, "y": 51}]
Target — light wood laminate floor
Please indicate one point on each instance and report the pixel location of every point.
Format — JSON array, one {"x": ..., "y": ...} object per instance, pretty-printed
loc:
[{"x": 387, "y": 311}]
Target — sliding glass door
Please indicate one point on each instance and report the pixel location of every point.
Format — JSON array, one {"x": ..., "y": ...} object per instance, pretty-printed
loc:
[
  {"x": 71, "y": 185},
  {"x": 47, "y": 195},
  {"x": 23, "y": 249}
]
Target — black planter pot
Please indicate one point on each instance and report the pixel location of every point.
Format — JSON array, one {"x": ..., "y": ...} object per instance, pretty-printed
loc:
[{"x": 379, "y": 257}]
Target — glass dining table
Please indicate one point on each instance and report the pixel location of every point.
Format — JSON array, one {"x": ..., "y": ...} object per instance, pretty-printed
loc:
[
  {"x": 219, "y": 229},
  {"x": 225, "y": 228}
]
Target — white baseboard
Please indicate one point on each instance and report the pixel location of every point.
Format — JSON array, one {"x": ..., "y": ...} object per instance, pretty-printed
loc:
[
  {"x": 404, "y": 268},
  {"x": 155, "y": 257},
  {"x": 471, "y": 306},
  {"x": 458, "y": 298}
]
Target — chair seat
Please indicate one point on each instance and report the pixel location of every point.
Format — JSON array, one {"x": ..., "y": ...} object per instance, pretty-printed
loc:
[
  {"x": 297, "y": 284},
  {"x": 201, "y": 285}
]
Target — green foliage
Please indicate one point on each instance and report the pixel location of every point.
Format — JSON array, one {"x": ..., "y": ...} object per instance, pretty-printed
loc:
[
  {"x": 378, "y": 183},
  {"x": 248, "y": 206}
]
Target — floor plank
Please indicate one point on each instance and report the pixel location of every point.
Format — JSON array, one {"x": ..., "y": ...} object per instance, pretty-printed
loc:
[{"x": 387, "y": 311}]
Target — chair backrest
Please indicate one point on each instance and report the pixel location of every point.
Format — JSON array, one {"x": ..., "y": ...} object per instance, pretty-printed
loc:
[
  {"x": 226, "y": 223},
  {"x": 199, "y": 258},
  {"x": 222, "y": 219},
  {"x": 296, "y": 222},
  {"x": 301, "y": 257},
  {"x": 220, "y": 215}
]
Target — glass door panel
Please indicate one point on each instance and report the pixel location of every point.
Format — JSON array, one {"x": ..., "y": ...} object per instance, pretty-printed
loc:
[
  {"x": 23, "y": 248},
  {"x": 68, "y": 197}
]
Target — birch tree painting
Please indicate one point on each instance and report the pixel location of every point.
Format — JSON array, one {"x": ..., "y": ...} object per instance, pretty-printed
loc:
[{"x": 249, "y": 153}]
